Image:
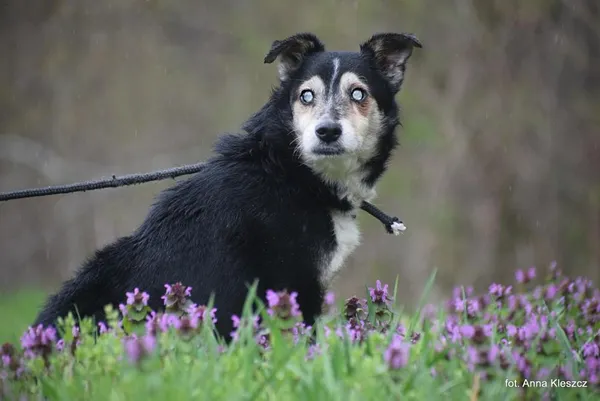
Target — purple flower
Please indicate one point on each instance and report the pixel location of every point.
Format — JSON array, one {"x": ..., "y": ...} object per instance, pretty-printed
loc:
[
  {"x": 238, "y": 325},
  {"x": 330, "y": 298},
  {"x": 102, "y": 327},
  {"x": 570, "y": 329},
  {"x": 531, "y": 328},
  {"x": 543, "y": 374},
  {"x": 136, "y": 348},
  {"x": 520, "y": 276},
  {"x": 186, "y": 325},
  {"x": 459, "y": 304},
  {"x": 455, "y": 334},
  {"x": 38, "y": 341},
  {"x": 467, "y": 331},
  {"x": 137, "y": 298},
  {"x": 10, "y": 362},
  {"x": 591, "y": 350},
  {"x": 488, "y": 330},
  {"x": 499, "y": 291},
  {"x": 473, "y": 307},
  {"x": 472, "y": 357},
  {"x": 283, "y": 304},
  {"x": 531, "y": 273},
  {"x": 493, "y": 353},
  {"x": 165, "y": 321},
  {"x": 592, "y": 363},
  {"x": 203, "y": 313},
  {"x": 379, "y": 294},
  {"x": 397, "y": 354},
  {"x": 152, "y": 326},
  {"x": 513, "y": 303},
  {"x": 263, "y": 341},
  {"x": 523, "y": 364},
  {"x": 313, "y": 350},
  {"x": 175, "y": 298},
  {"x": 299, "y": 330}
]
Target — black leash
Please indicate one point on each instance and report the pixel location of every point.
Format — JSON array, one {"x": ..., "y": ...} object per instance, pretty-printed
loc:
[
  {"x": 392, "y": 224},
  {"x": 113, "y": 182}
]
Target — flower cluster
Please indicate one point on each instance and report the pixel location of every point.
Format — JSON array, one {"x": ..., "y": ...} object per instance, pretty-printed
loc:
[
  {"x": 11, "y": 366},
  {"x": 138, "y": 347},
  {"x": 283, "y": 304},
  {"x": 176, "y": 299},
  {"x": 39, "y": 341},
  {"x": 551, "y": 330}
]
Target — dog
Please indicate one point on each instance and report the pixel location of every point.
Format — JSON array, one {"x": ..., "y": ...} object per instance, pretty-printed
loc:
[{"x": 276, "y": 204}]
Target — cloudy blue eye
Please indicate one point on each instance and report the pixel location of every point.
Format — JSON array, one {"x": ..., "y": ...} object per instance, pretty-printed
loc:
[
  {"x": 307, "y": 96},
  {"x": 358, "y": 95}
]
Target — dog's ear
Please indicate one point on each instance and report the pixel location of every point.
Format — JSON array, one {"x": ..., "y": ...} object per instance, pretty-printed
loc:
[
  {"x": 390, "y": 52},
  {"x": 292, "y": 51}
]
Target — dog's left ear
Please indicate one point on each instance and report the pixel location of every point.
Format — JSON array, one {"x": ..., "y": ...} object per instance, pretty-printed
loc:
[
  {"x": 292, "y": 51},
  {"x": 390, "y": 52}
]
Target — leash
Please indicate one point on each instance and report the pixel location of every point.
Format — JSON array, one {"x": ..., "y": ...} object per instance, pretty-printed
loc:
[{"x": 392, "y": 225}]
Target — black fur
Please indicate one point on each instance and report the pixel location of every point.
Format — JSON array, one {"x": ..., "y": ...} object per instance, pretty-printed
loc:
[{"x": 254, "y": 212}]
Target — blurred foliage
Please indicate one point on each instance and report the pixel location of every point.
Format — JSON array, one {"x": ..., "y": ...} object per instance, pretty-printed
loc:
[
  {"x": 17, "y": 310},
  {"x": 499, "y": 166}
]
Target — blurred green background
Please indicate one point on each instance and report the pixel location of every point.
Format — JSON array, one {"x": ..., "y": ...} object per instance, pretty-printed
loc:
[{"x": 498, "y": 169}]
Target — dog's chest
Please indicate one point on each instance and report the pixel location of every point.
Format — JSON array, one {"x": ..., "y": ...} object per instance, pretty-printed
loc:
[{"x": 347, "y": 238}]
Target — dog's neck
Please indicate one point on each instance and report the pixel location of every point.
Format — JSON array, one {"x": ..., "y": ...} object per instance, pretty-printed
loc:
[{"x": 346, "y": 177}]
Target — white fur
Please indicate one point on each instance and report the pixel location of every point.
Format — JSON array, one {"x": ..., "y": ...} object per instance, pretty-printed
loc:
[{"x": 347, "y": 236}]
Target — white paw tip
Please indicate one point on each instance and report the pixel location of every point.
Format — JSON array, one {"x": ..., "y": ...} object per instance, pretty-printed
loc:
[{"x": 398, "y": 227}]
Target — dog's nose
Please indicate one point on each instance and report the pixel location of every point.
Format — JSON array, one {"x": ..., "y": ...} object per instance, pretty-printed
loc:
[{"x": 329, "y": 132}]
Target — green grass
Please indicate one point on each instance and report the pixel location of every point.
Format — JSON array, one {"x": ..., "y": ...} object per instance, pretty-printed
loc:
[
  {"x": 17, "y": 312},
  {"x": 366, "y": 350}
]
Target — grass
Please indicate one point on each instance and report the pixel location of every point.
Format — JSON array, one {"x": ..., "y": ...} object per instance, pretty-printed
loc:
[
  {"x": 17, "y": 312},
  {"x": 512, "y": 343}
]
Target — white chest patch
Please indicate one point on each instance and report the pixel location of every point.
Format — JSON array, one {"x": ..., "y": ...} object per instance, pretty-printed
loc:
[{"x": 347, "y": 238}]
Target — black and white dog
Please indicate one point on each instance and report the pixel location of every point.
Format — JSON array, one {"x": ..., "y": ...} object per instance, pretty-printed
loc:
[{"x": 276, "y": 204}]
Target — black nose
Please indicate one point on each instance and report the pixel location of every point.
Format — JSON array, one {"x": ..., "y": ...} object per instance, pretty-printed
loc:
[{"x": 329, "y": 132}]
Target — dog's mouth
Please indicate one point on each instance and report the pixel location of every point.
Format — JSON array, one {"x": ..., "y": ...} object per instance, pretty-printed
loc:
[{"x": 328, "y": 150}]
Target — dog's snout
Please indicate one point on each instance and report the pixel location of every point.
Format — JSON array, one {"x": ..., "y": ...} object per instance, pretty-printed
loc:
[{"x": 329, "y": 132}]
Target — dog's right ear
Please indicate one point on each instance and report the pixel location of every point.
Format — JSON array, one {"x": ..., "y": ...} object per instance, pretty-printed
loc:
[{"x": 292, "y": 51}]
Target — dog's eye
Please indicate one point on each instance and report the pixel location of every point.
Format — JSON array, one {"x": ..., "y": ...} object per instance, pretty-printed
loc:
[
  {"x": 358, "y": 95},
  {"x": 307, "y": 96}
]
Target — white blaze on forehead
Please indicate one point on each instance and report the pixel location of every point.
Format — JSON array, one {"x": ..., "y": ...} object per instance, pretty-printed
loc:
[{"x": 336, "y": 67}]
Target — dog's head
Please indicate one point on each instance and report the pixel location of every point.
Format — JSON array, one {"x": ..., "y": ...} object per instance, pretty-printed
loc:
[{"x": 341, "y": 102}]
